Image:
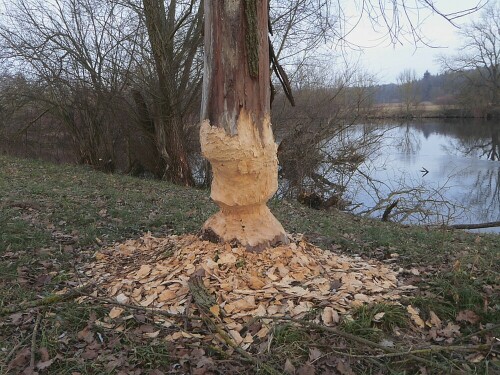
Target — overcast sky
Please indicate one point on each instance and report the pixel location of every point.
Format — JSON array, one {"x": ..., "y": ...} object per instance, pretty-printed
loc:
[{"x": 387, "y": 60}]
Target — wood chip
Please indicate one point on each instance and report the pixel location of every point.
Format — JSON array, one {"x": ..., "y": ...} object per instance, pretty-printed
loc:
[{"x": 290, "y": 280}]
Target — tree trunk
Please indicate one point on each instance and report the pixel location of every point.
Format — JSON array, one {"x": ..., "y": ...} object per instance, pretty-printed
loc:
[
  {"x": 161, "y": 32},
  {"x": 236, "y": 135}
]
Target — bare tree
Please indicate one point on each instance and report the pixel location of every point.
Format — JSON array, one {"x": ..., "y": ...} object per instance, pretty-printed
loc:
[
  {"x": 408, "y": 91},
  {"x": 175, "y": 35},
  {"x": 77, "y": 52},
  {"x": 479, "y": 58}
]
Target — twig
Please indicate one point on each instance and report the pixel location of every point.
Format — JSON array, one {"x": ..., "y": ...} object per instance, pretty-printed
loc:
[
  {"x": 33, "y": 340},
  {"x": 17, "y": 346},
  {"x": 352, "y": 337},
  {"x": 481, "y": 332},
  {"x": 141, "y": 308},
  {"x": 388, "y": 210}
]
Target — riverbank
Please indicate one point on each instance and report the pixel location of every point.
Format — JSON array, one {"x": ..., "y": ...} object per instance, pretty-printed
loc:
[
  {"x": 56, "y": 218},
  {"x": 428, "y": 110}
]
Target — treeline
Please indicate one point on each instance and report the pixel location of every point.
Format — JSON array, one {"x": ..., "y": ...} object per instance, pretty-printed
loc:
[{"x": 446, "y": 89}]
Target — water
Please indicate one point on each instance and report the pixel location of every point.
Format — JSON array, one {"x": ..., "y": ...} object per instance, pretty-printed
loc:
[{"x": 462, "y": 184}]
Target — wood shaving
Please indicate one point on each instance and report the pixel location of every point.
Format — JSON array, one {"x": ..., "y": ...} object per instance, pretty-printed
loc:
[{"x": 287, "y": 281}]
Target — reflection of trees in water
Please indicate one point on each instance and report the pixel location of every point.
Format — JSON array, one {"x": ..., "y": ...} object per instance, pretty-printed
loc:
[
  {"x": 484, "y": 147},
  {"x": 486, "y": 194},
  {"x": 409, "y": 143}
]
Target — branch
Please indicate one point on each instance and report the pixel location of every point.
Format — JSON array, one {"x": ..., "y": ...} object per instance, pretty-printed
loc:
[
  {"x": 46, "y": 301},
  {"x": 355, "y": 338},
  {"x": 387, "y": 212},
  {"x": 490, "y": 224},
  {"x": 204, "y": 301}
]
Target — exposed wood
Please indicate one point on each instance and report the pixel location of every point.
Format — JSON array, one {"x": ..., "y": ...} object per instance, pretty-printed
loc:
[{"x": 236, "y": 135}]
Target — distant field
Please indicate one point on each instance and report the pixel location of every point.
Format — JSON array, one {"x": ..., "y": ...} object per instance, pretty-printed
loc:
[{"x": 425, "y": 108}]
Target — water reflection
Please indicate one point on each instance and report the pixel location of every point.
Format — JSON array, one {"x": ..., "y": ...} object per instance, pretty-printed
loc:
[{"x": 462, "y": 158}]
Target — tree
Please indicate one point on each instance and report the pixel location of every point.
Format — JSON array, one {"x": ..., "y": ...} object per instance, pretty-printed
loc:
[
  {"x": 479, "y": 59},
  {"x": 408, "y": 90},
  {"x": 236, "y": 135},
  {"x": 75, "y": 53},
  {"x": 175, "y": 42}
]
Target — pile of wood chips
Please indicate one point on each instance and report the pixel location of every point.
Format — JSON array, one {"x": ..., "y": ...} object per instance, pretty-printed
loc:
[{"x": 287, "y": 281}]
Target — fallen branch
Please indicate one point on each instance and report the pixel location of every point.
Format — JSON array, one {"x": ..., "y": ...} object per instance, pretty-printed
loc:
[
  {"x": 388, "y": 210},
  {"x": 140, "y": 308},
  {"x": 429, "y": 350},
  {"x": 481, "y": 332},
  {"x": 45, "y": 301},
  {"x": 205, "y": 302},
  {"x": 33, "y": 341},
  {"x": 490, "y": 224},
  {"x": 355, "y": 338}
]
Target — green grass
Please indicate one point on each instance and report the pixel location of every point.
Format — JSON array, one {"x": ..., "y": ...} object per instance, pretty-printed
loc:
[
  {"x": 53, "y": 217},
  {"x": 371, "y": 321}
]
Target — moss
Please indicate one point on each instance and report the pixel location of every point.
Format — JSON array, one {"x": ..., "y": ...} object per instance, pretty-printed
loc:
[{"x": 252, "y": 37}]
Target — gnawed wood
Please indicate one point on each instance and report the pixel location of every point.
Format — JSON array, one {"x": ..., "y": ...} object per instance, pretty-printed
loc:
[
  {"x": 245, "y": 177},
  {"x": 236, "y": 135}
]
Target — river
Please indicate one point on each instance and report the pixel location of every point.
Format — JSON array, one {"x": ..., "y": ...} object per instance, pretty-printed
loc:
[{"x": 447, "y": 172}]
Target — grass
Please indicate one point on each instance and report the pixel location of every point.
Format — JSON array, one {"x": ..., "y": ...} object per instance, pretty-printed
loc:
[
  {"x": 371, "y": 321},
  {"x": 53, "y": 217}
]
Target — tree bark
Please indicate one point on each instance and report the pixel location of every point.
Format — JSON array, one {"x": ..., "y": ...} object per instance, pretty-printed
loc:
[{"x": 236, "y": 135}]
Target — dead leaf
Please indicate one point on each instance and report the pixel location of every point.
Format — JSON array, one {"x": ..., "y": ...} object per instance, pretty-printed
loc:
[
  {"x": 167, "y": 295},
  {"x": 468, "y": 316},
  {"x": 122, "y": 298},
  {"x": 475, "y": 358},
  {"x": 215, "y": 309},
  {"x": 227, "y": 258},
  {"x": 306, "y": 369},
  {"x": 236, "y": 336},
  {"x": 90, "y": 354},
  {"x": 451, "y": 330},
  {"x": 44, "y": 354},
  {"x": 115, "y": 312},
  {"x": 344, "y": 368},
  {"x": 314, "y": 354},
  {"x": 144, "y": 271},
  {"x": 152, "y": 335},
  {"x": 289, "y": 367},
  {"x": 255, "y": 283},
  {"x": 433, "y": 320},
  {"x": 86, "y": 335},
  {"x": 45, "y": 364},
  {"x": 378, "y": 317},
  {"x": 21, "y": 360}
]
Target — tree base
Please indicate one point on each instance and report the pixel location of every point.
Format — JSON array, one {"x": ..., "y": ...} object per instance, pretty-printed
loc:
[{"x": 253, "y": 227}]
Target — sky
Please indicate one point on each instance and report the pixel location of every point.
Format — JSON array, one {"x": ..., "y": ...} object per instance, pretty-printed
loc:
[{"x": 387, "y": 60}]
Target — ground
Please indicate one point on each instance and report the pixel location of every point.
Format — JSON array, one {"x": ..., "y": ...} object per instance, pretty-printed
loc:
[{"x": 60, "y": 225}]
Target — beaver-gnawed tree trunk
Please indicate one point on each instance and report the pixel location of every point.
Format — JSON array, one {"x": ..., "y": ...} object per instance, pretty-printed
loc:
[{"x": 236, "y": 135}]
